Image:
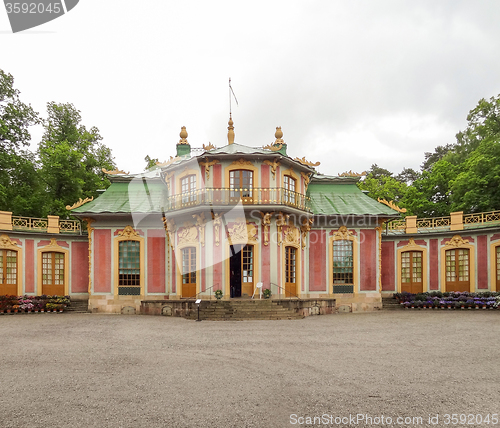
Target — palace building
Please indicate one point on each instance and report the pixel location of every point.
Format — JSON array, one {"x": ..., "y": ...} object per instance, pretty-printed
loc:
[{"x": 241, "y": 219}]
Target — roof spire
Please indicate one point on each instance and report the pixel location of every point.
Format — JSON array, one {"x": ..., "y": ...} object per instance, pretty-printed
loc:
[{"x": 230, "y": 130}]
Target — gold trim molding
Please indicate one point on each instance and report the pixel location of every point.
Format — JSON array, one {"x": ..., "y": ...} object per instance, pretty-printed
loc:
[
  {"x": 242, "y": 232},
  {"x": 342, "y": 233},
  {"x": 188, "y": 235},
  {"x": 303, "y": 161},
  {"x": 273, "y": 166},
  {"x": 456, "y": 241},
  {"x": 207, "y": 166},
  {"x": 115, "y": 172},
  {"x": 90, "y": 229},
  {"x": 217, "y": 223},
  {"x": 7, "y": 244},
  {"x": 79, "y": 203},
  {"x": 307, "y": 179},
  {"x": 128, "y": 232},
  {"x": 200, "y": 224},
  {"x": 391, "y": 205},
  {"x": 305, "y": 228},
  {"x": 242, "y": 162},
  {"x": 266, "y": 222}
]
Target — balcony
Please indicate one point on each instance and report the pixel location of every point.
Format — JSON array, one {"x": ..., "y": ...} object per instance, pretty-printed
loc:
[{"x": 227, "y": 197}]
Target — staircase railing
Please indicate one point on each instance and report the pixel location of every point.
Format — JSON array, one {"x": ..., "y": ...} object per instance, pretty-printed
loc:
[
  {"x": 286, "y": 291},
  {"x": 204, "y": 291}
]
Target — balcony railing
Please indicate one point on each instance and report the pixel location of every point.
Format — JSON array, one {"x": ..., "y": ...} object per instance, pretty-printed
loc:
[{"x": 247, "y": 196}]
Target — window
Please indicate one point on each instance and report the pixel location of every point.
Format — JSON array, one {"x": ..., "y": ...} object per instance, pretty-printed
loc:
[
  {"x": 247, "y": 255},
  {"x": 289, "y": 183},
  {"x": 188, "y": 189},
  {"x": 457, "y": 270},
  {"x": 411, "y": 272},
  {"x": 8, "y": 272},
  {"x": 129, "y": 268},
  {"x": 240, "y": 184},
  {"x": 343, "y": 266}
]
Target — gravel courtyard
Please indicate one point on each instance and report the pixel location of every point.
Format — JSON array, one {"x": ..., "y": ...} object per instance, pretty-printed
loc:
[{"x": 84, "y": 370}]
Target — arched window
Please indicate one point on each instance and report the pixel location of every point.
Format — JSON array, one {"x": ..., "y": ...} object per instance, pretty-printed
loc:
[
  {"x": 343, "y": 266},
  {"x": 129, "y": 268}
]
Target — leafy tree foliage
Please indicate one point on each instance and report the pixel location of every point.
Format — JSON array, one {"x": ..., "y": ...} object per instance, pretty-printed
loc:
[
  {"x": 72, "y": 158},
  {"x": 464, "y": 176}
]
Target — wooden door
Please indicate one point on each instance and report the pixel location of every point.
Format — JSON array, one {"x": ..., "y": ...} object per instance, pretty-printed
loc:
[
  {"x": 457, "y": 270},
  {"x": 189, "y": 272},
  {"x": 411, "y": 272},
  {"x": 498, "y": 266},
  {"x": 8, "y": 273},
  {"x": 290, "y": 272},
  {"x": 53, "y": 274},
  {"x": 247, "y": 273}
]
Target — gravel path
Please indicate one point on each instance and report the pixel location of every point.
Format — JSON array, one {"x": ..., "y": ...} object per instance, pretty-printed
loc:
[{"x": 84, "y": 370}]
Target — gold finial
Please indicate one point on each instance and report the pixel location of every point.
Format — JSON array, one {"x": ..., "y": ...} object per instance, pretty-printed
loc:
[
  {"x": 279, "y": 135},
  {"x": 183, "y": 134},
  {"x": 230, "y": 130}
]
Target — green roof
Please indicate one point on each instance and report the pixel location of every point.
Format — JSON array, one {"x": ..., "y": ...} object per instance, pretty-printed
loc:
[
  {"x": 343, "y": 197},
  {"x": 133, "y": 196}
]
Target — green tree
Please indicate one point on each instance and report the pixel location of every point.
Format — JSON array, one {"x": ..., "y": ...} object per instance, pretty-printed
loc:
[
  {"x": 477, "y": 186},
  {"x": 15, "y": 116},
  {"x": 20, "y": 190},
  {"x": 72, "y": 158}
]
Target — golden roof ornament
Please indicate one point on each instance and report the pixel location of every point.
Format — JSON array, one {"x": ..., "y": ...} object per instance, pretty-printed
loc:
[
  {"x": 392, "y": 205},
  {"x": 352, "y": 174},
  {"x": 304, "y": 161},
  {"x": 209, "y": 147},
  {"x": 230, "y": 130},
  {"x": 278, "y": 143},
  {"x": 183, "y": 134},
  {"x": 114, "y": 172},
  {"x": 79, "y": 203}
]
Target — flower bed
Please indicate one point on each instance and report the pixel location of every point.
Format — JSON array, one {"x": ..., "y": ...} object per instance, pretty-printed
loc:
[
  {"x": 450, "y": 300},
  {"x": 28, "y": 304}
]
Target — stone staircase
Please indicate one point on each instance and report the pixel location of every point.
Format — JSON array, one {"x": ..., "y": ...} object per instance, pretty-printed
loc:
[
  {"x": 78, "y": 307},
  {"x": 390, "y": 304},
  {"x": 245, "y": 309}
]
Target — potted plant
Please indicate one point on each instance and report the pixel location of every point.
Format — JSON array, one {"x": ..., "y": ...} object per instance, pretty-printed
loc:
[
  {"x": 267, "y": 293},
  {"x": 218, "y": 294}
]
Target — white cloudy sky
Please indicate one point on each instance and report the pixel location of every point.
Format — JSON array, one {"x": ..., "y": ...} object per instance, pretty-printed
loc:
[{"x": 351, "y": 82}]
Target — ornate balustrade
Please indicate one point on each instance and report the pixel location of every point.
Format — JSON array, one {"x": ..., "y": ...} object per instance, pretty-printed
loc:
[
  {"x": 51, "y": 224},
  {"x": 247, "y": 196},
  {"x": 455, "y": 221}
]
